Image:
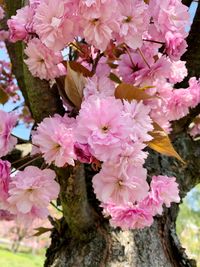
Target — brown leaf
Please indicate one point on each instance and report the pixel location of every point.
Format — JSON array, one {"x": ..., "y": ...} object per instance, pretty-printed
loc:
[
  {"x": 162, "y": 144},
  {"x": 74, "y": 84},
  {"x": 129, "y": 92},
  {"x": 41, "y": 231},
  {"x": 76, "y": 66},
  {"x": 3, "y": 96}
]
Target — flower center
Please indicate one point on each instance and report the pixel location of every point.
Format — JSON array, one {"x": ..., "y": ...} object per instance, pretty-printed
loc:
[
  {"x": 95, "y": 21},
  {"x": 120, "y": 182},
  {"x": 128, "y": 19},
  {"x": 105, "y": 129}
]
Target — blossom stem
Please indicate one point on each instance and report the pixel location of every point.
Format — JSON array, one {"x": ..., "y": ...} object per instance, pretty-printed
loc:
[
  {"x": 26, "y": 164},
  {"x": 143, "y": 57}
]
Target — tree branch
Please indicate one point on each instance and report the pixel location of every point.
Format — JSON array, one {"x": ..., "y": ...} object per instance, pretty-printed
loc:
[{"x": 76, "y": 210}]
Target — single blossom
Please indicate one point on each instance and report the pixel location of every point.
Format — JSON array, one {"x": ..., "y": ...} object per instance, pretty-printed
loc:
[
  {"x": 169, "y": 15},
  {"x": 100, "y": 22},
  {"x": 43, "y": 62},
  {"x": 166, "y": 188},
  {"x": 30, "y": 193},
  {"x": 134, "y": 22},
  {"x": 102, "y": 125},
  {"x": 142, "y": 123},
  {"x": 178, "y": 71},
  {"x": 55, "y": 140},
  {"x": 4, "y": 179},
  {"x": 194, "y": 89},
  {"x": 119, "y": 186},
  {"x": 175, "y": 45},
  {"x": 179, "y": 104},
  {"x": 20, "y": 25},
  {"x": 53, "y": 23},
  {"x": 128, "y": 216},
  {"x": 7, "y": 122}
]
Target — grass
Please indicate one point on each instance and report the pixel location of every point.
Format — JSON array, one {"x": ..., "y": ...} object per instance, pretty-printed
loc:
[{"x": 9, "y": 259}]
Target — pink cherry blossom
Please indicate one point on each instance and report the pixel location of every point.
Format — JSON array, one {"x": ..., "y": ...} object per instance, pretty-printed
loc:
[
  {"x": 153, "y": 203},
  {"x": 54, "y": 137},
  {"x": 53, "y": 25},
  {"x": 101, "y": 86},
  {"x": 20, "y": 25},
  {"x": 135, "y": 70},
  {"x": 166, "y": 188},
  {"x": 82, "y": 152},
  {"x": 175, "y": 45},
  {"x": 134, "y": 22},
  {"x": 179, "y": 103},
  {"x": 169, "y": 15},
  {"x": 194, "y": 89},
  {"x": 132, "y": 155},
  {"x": 113, "y": 184},
  {"x": 43, "y": 62},
  {"x": 2, "y": 13},
  {"x": 102, "y": 125},
  {"x": 141, "y": 121},
  {"x": 4, "y": 179},
  {"x": 34, "y": 3},
  {"x": 7, "y": 122},
  {"x": 128, "y": 216},
  {"x": 30, "y": 193},
  {"x": 100, "y": 22},
  {"x": 178, "y": 71}
]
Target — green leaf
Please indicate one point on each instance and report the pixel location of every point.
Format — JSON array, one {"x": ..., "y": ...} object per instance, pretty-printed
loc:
[{"x": 114, "y": 78}]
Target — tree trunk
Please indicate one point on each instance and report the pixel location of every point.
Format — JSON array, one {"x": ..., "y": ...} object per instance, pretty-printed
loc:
[
  {"x": 156, "y": 246},
  {"x": 83, "y": 238},
  {"x": 106, "y": 247}
]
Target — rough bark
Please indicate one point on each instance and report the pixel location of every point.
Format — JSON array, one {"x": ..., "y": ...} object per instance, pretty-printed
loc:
[{"x": 83, "y": 238}]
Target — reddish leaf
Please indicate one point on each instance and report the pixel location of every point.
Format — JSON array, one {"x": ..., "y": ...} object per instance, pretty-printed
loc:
[
  {"x": 74, "y": 84},
  {"x": 130, "y": 92},
  {"x": 76, "y": 66}
]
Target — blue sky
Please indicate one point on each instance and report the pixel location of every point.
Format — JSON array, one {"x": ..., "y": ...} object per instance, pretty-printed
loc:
[{"x": 22, "y": 130}]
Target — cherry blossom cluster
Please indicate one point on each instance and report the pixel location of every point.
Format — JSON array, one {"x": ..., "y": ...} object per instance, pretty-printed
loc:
[
  {"x": 58, "y": 23},
  {"x": 132, "y": 43}
]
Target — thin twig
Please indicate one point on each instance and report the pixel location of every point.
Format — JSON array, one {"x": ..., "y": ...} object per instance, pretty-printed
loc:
[
  {"x": 55, "y": 206},
  {"x": 143, "y": 57},
  {"x": 27, "y": 163}
]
